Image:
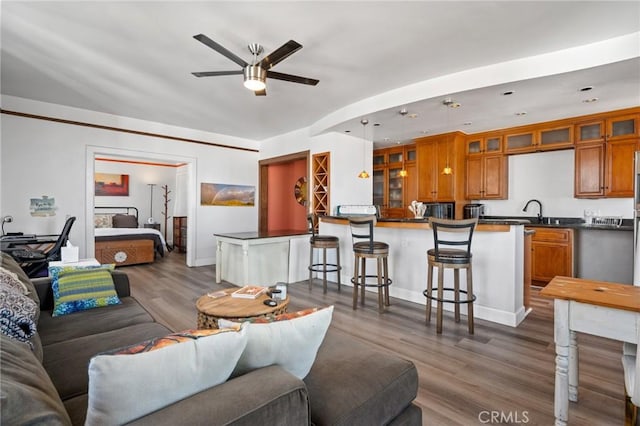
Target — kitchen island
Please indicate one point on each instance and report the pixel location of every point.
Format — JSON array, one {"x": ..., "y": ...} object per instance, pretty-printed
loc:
[
  {"x": 262, "y": 258},
  {"x": 498, "y": 263}
]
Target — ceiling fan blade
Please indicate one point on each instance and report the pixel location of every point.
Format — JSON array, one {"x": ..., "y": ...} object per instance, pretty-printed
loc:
[
  {"x": 215, "y": 73},
  {"x": 280, "y": 54},
  {"x": 221, "y": 50},
  {"x": 262, "y": 92},
  {"x": 292, "y": 78}
]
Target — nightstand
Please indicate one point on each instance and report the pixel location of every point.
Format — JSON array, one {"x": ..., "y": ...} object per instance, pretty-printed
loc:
[{"x": 155, "y": 226}]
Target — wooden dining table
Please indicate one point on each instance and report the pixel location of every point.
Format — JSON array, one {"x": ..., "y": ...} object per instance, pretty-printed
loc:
[{"x": 599, "y": 308}]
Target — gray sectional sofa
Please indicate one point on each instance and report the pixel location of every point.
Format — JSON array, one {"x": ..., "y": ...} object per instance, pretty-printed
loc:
[{"x": 46, "y": 382}]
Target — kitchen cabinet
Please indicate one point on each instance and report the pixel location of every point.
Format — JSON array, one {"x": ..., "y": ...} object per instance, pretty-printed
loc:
[
  {"x": 392, "y": 182},
  {"x": 484, "y": 144},
  {"x": 486, "y": 167},
  {"x": 531, "y": 139},
  {"x": 433, "y": 155},
  {"x": 487, "y": 177},
  {"x": 605, "y": 149},
  {"x": 551, "y": 254}
]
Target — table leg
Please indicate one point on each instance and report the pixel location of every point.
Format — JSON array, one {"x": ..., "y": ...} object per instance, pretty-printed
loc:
[
  {"x": 561, "y": 323},
  {"x": 573, "y": 367},
  {"x": 219, "y": 262}
]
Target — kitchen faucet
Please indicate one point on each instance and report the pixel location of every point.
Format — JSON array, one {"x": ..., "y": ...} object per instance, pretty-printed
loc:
[{"x": 539, "y": 205}]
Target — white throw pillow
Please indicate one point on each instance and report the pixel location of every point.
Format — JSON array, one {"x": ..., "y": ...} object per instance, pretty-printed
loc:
[
  {"x": 288, "y": 340},
  {"x": 128, "y": 384}
]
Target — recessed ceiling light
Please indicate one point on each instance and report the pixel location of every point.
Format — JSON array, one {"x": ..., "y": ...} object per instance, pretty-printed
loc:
[
  {"x": 468, "y": 123},
  {"x": 507, "y": 93},
  {"x": 586, "y": 88},
  {"x": 387, "y": 139},
  {"x": 521, "y": 113},
  {"x": 413, "y": 115},
  {"x": 347, "y": 131},
  {"x": 424, "y": 132},
  {"x": 588, "y": 101},
  {"x": 376, "y": 124}
]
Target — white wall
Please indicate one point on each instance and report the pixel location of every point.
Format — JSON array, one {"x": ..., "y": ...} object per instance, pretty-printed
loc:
[
  {"x": 49, "y": 158},
  {"x": 549, "y": 177}
]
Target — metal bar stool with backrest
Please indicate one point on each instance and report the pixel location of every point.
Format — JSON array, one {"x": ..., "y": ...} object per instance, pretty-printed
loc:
[
  {"x": 452, "y": 250},
  {"x": 323, "y": 242},
  {"x": 364, "y": 247}
]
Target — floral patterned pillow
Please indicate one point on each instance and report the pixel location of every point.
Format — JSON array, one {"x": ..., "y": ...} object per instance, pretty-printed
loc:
[{"x": 102, "y": 221}]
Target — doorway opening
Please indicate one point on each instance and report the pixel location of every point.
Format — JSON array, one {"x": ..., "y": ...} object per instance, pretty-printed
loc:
[
  {"x": 185, "y": 178},
  {"x": 284, "y": 193}
]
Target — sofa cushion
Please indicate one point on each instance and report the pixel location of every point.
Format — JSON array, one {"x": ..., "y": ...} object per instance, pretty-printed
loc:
[
  {"x": 10, "y": 264},
  {"x": 27, "y": 395},
  {"x": 81, "y": 288},
  {"x": 94, "y": 321},
  {"x": 67, "y": 361},
  {"x": 17, "y": 313},
  {"x": 288, "y": 340},
  {"x": 174, "y": 367},
  {"x": 266, "y": 396},
  {"x": 364, "y": 387}
]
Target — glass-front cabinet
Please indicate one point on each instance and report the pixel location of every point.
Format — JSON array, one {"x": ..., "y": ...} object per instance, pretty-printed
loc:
[{"x": 392, "y": 169}]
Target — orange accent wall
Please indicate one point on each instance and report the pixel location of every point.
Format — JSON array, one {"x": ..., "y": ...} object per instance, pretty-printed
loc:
[{"x": 285, "y": 212}]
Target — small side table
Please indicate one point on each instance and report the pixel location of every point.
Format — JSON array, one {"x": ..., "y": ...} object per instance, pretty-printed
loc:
[
  {"x": 155, "y": 226},
  {"x": 234, "y": 309}
]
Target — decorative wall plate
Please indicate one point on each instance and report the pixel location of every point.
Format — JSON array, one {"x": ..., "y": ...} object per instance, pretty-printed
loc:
[{"x": 300, "y": 191}]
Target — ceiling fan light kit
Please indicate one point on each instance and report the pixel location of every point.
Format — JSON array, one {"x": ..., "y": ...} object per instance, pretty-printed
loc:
[
  {"x": 254, "y": 78},
  {"x": 256, "y": 73}
]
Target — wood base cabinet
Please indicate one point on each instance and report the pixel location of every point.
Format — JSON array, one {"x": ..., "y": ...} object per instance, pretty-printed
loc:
[
  {"x": 551, "y": 254},
  {"x": 180, "y": 233}
]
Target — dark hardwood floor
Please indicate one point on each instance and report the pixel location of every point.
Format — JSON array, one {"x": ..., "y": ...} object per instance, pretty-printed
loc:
[{"x": 463, "y": 379}]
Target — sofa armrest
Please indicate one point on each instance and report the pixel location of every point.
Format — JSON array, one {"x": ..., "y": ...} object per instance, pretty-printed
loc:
[
  {"x": 267, "y": 396},
  {"x": 45, "y": 293}
]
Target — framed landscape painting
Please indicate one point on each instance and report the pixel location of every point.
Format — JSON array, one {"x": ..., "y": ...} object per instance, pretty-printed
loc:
[
  {"x": 108, "y": 184},
  {"x": 220, "y": 194}
]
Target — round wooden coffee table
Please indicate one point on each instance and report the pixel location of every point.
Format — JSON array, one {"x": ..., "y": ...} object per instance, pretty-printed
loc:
[{"x": 234, "y": 309}]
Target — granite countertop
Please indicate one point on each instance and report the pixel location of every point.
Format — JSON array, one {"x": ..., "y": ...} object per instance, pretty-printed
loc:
[{"x": 554, "y": 222}]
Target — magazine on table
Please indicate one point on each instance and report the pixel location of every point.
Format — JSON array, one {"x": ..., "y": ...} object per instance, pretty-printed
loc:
[{"x": 249, "y": 292}]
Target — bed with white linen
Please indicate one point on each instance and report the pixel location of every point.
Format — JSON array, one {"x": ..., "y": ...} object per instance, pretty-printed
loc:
[{"x": 119, "y": 240}]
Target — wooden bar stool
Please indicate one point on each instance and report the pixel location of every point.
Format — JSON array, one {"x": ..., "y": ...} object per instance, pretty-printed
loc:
[
  {"x": 451, "y": 233},
  {"x": 364, "y": 247},
  {"x": 323, "y": 242}
]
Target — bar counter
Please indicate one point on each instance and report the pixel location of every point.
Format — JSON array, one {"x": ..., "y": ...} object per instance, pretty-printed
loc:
[{"x": 498, "y": 263}]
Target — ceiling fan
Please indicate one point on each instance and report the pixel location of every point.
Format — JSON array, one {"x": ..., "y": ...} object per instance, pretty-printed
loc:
[{"x": 256, "y": 73}]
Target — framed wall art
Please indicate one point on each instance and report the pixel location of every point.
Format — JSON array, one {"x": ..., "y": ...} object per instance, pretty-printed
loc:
[
  {"x": 111, "y": 185},
  {"x": 220, "y": 194}
]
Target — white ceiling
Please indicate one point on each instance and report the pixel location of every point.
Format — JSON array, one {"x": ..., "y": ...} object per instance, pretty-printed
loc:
[{"x": 135, "y": 59}]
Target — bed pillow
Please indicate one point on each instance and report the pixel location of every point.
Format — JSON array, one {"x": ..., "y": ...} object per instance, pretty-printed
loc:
[
  {"x": 124, "y": 221},
  {"x": 288, "y": 340},
  {"x": 102, "y": 221},
  {"x": 127, "y": 384},
  {"x": 78, "y": 288}
]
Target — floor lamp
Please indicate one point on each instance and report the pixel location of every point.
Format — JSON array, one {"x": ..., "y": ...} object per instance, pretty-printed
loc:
[{"x": 151, "y": 220}]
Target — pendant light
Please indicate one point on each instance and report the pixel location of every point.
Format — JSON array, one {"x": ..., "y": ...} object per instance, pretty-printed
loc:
[
  {"x": 448, "y": 103},
  {"x": 403, "y": 173},
  {"x": 364, "y": 174}
]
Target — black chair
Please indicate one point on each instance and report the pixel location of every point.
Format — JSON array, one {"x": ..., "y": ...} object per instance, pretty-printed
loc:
[
  {"x": 323, "y": 242},
  {"x": 447, "y": 236},
  {"x": 35, "y": 262},
  {"x": 364, "y": 247}
]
